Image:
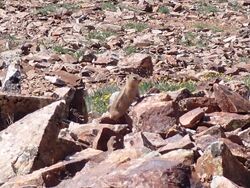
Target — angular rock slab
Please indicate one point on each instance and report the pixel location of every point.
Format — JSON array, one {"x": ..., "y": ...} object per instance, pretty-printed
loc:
[
  {"x": 98, "y": 136},
  {"x": 138, "y": 63},
  {"x": 195, "y": 102},
  {"x": 31, "y": 143},
  {"x": 156, "y": 117},
  {"x": 191, "y": 118},
  {"x": 53, "y": 175},
  {"x": 144, "y": 139},
  {"x": 245, "y": 137},
  {"x": 15, "y": 107},
  {"x": 217, "y": 160},
  {"x": 229, "y": 121},
  {"x": 230, "y": 101},
  {"x": 120, "y": 169},
  {"x": 180, "y": 143}
]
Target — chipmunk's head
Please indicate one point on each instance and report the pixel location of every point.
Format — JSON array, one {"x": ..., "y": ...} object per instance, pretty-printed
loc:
[{"x": 133, "y": 80}]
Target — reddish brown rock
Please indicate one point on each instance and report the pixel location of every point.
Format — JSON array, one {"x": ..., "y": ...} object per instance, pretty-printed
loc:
[
  {"x": 229, "y": 121},
  {"x": 156, "y": 117},
  {"x": 236, "y": 149},
  {"x": 138, "y": 63},
  {"x": 144, "y": 139},
  {"x": 180, "y": 94},
  {"x": 183, "y": 143},
  {"x": 191, "y": 118},
  {"x": 97, "y": 136},
  {"x": 120, "y": 169},
  {"x": 204, "y": 141},
  {"x": 215, "y": 131},
  {"x": 245, "y": 136},
  {"x": 53, "y": 175},
  {"x": 229, "y": 101},
  {"x": 153, "y": 139},
  {"x": 69, "y": 78},
  {"x": 184, "y": 156},
  {"x": 239, "y": 87},
  {"x": 107, "y": 140},
  {"x": 67, "y": 58},
  {"x": 106, "y": 59},
  {"x": 217, "y": 160},
  {"x": 31, "y": 143},
  {"x": 195, "y": 102}
]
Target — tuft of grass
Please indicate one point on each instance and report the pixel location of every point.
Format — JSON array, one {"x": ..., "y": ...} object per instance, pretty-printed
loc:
[
  {"x": 110, "y": 6},
  {"x": 130, "y": 50},
  {"x": 167, "y": 86},
  {"x": 206, "y": 8},
  {"x": 245, "y": 59},
  {"x": 61, "y": 50},
  {"x": 213, "y": 28},
  {"x": 100, "y": 35},
  {"x": 235, "y": 5},
  {"x": 210, "y": 75},
  {"x": 247, "y": 81},
  {"x": 138, "y": 26},
  {"x": 52, "y": 8},
  {"x": 98, "y": 101},
  {"x": 47, "y": 10},
  {"x": 222, "y": 1},
  {"x": 164, "y": 10}
]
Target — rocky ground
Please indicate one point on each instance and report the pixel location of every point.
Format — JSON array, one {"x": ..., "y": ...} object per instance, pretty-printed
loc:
[{"x": 60, "y": 61}]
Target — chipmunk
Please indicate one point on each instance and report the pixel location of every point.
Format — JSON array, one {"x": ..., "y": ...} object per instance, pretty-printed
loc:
[{"x": 120, "y": 103}]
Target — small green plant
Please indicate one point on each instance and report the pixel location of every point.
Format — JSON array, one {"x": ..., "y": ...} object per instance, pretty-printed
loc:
[
  {"x": 98, "y": 101},
  {"x": 222, "y": 1},
  {"x": 138, "y": 26},
  {"x": 130, "y": 50},
  {"x": 61, "y": 50},
  {"x": 78, "y": 54},
  {"x": 211, "y": 74},
  {"x": 110, "y": 6},
  {"x": 235, "y": 5},
  {"x": 211, "y": 27},
  {"x": 164, "y": 10},
  {"x": 206, "y": 8},
  {"x": 100, "y": 35},
  {"x": 247, "y": 81},
  {"x": 48, "y": 9},
  {"x": 245, "y": 59},
  {"x": 70, "y": 6},
  {"x": 52, "y": 8},
  {"x": 189, "y": 38},
  {"x": 167, "y": 86}
]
